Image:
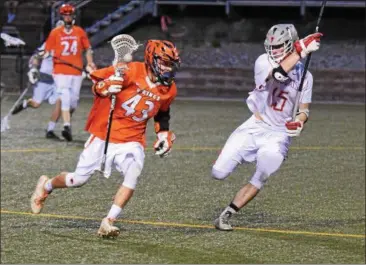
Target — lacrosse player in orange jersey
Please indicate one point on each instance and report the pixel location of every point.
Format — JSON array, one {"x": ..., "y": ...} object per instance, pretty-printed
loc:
[
  {"x": 145, "y": 91},
  {"x": 68, "y": 44}
]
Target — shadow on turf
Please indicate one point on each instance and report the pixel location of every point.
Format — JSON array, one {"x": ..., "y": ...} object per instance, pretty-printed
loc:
[{"x": 249, "y": 218}]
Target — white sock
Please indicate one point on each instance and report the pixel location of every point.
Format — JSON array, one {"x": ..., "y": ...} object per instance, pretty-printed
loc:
[
  {"x": 51, "y": 126},
  {"x": 114, "y": 212},
  {"x": 67, "y": 124},
  {"x": 48, "y": 186},
  {"x": 25, "y": 103}
]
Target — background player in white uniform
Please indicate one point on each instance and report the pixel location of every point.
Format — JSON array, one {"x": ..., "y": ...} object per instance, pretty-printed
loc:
[
  {"x": 44, "y": 88},
  {"x": 265, "y": 137}
]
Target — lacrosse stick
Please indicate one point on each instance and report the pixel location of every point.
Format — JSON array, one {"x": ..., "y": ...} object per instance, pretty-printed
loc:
[
  {"x": 307, "y": 62},
  {"x": 124, "y": 46},
  {"x": 11, "y": 41},
  {"x": 5, "y": 121},
  {"x": 77, "y": 68}
]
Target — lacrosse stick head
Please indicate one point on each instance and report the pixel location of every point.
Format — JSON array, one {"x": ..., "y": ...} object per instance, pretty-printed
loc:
[
  {"x": 5, "y": 124},
  {"x": 11, "y": 41},
  {"x": 123, "y": 46},
  {"x": 280, "y": 41}
]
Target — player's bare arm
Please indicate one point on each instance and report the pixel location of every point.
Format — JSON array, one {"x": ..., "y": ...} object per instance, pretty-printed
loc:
[{"x": 89, "y": 59}]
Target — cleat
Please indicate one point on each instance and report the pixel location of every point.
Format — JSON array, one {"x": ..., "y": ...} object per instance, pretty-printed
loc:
[
  {"x": 52, "y": 135},
  {"x": 222, "y": 222},
  {"x": 66, "y": 133},
  {"x": 39, "y": 195},
  {"x": 20, "y": 107},
  {"x": 107, "y": 229}
]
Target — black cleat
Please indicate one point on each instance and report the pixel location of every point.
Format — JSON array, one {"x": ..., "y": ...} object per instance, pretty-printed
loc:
[
  {"x": 18, "y": 108},
  {"x": 52, "y": 135},
  {"x": 66, "y": 133}
]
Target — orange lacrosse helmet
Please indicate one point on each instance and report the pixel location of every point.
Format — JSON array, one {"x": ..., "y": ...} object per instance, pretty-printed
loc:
[
  {"x": 67, "y": 10},
  {"x": 162, "y": 57}
]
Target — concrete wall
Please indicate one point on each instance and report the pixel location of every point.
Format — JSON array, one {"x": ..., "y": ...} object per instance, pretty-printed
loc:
[{"x": 335, "y": 85}]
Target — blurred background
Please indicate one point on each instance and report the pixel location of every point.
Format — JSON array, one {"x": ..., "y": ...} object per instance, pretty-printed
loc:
[{"x": 219, "y": 40}]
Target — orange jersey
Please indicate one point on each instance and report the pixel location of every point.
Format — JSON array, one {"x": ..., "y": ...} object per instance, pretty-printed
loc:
[
  {"x": 68, "y": 47},
  {"x": 135, "y": 105}
]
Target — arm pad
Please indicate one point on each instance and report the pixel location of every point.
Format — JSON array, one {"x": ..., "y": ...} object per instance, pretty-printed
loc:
[
  {"x": 279, "y": 74},
  {"x": 162, "y": 121}
]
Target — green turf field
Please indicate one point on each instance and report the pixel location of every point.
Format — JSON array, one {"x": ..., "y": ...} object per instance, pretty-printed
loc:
[{"x": 311, "y": 211}]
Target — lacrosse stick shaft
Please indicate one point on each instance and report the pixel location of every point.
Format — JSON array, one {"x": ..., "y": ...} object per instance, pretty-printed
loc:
[
  {"x": 20, "y": 98},
  {"x": 5, "y": 120},
  {"x": 77, "y": 68},
  {"x": 307, "y": 62},
  {"x": 109, "y": 126}
]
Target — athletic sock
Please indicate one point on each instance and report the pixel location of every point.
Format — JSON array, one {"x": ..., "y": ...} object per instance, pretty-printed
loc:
[
  {"x": 231, "y": 209},
  {"x": 51, "y": 126},
  {"x": 48, "y": 186},
  {"x": 114, "y": 212}
]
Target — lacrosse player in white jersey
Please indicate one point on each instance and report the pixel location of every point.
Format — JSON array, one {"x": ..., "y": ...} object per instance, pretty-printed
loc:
[
  {"x": 40, "y": 75},
  {"x": 266, "y": 136}
]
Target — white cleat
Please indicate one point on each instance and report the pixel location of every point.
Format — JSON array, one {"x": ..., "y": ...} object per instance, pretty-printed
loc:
[
  {"x": 222, "y": 222},
  {"x": 107, "y": 229},
  {"x": 39, "y": 195}
]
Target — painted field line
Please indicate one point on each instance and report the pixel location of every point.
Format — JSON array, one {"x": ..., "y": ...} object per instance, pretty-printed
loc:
[
  {"x": 315, "y": 148},
  {"x": 172, "y": 224}
]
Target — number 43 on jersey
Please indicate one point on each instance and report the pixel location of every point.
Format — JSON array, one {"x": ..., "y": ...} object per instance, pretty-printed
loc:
[{"x": 130, "y": 105}]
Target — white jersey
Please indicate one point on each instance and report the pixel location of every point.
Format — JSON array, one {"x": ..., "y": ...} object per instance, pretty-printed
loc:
[
  {"x": 47, "y": 63},
  {"x": 275, "y": 100}
]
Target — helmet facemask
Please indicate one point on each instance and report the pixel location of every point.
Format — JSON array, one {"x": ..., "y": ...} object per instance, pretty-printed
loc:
[
  {"x": 279, "y": 41},
  {"x": 278, "y": 52},
  {"x": 165, "y": 70}
]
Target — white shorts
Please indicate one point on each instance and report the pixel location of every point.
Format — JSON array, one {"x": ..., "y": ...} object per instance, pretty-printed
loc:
[
  {"x": 68, "y": 86},
  {"x": 91, "y": 158},
  {"x": 245, "y": 142},
  {"x": 43, "y": 91}
]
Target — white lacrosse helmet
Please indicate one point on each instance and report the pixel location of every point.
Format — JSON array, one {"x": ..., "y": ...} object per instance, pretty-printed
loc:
[
  {"x": 124, "y": 46},
  {"x": 280, "y": 41}
]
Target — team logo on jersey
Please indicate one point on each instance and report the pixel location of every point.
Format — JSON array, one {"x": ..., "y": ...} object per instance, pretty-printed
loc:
[{"x": 148, "y": 94}]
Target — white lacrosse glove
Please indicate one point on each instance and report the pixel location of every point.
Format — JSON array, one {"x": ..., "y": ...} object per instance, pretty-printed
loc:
[
  {"x": 43, "y": 54},
  {"x": 109, "y": 86},
  {"x": 164, "y": 142},
  {"x": 310, "y": 43},
  {"x": 294, "y": 128},
  {"x": 33, "y": 75}
]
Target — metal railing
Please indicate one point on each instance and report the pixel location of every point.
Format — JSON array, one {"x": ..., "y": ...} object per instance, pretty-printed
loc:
[{"x": 290, "y": 3}]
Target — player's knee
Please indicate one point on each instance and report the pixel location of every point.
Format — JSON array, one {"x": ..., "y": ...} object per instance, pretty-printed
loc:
[
  {"x": 65, "y": 101},
  {"x": 74, "y": 180},
  {"x": 65, "y": 105},
  {"x": 220, "y": 175},
  {"x": 132, "y": 174},
  {"x": 269, "y": 161},
  {"x": 73, "y": 104},
  {"x": 259, "y": 179},
  {"x": 35, "y": 104}
]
